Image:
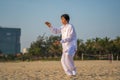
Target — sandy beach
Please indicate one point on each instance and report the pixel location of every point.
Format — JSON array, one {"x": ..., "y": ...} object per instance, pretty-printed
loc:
[{"x": 52, "y": 70}]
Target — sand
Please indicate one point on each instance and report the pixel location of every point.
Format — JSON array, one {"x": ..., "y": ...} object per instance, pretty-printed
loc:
[{"x": 52, "y": 70}]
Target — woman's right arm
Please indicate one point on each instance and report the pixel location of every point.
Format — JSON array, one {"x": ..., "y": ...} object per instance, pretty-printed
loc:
[{"x": 53, "y": 30}]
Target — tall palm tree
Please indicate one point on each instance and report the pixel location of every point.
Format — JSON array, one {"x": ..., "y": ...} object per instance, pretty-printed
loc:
[{"x": 117, "y": 45}]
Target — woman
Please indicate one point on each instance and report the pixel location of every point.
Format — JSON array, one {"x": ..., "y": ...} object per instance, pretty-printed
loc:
[{"x": 69, "y": 44}]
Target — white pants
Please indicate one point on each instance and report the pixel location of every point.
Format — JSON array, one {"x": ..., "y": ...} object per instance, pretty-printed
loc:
[{"x": 68, "y": 63}]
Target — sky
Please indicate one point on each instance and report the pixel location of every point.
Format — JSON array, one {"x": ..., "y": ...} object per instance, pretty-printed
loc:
[{"x": 91, "y": 18}]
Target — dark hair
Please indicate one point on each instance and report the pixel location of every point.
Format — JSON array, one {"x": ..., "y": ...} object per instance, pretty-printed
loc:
[{"x": 66, "y": 16}]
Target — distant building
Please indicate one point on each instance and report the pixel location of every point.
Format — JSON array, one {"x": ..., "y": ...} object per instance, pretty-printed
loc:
[
  {"x": 25, "y": 50},
  {"x": 10, "y": 40}
]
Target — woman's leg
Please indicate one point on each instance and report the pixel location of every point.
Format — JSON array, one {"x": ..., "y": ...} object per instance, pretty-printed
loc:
[
  {"x": 64, "y": 65},
  {"x": 70, "y": 63},
  {"x": 63, "y": 62}
]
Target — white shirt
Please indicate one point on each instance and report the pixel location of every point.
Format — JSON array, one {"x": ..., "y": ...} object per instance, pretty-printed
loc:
[{"x": 69, "y": 40}]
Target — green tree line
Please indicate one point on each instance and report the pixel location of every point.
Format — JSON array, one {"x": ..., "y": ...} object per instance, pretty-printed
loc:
[{"x": 46, "y": 48}]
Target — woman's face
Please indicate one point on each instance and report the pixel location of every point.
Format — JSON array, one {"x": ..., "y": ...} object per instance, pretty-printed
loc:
[{"x": 63, "y": 20}]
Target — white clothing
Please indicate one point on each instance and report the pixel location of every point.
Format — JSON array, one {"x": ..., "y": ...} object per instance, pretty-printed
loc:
[{"x": 69, "y": 45}]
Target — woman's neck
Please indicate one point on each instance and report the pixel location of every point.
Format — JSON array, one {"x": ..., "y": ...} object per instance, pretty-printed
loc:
[{"x": 65, "y": 24}]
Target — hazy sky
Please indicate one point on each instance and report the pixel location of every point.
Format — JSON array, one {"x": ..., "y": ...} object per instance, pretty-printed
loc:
[{"x": 91, "y": 18}]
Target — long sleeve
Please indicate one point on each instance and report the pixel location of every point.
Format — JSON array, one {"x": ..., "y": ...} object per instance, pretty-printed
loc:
[{"x": 55, "y": 30}]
